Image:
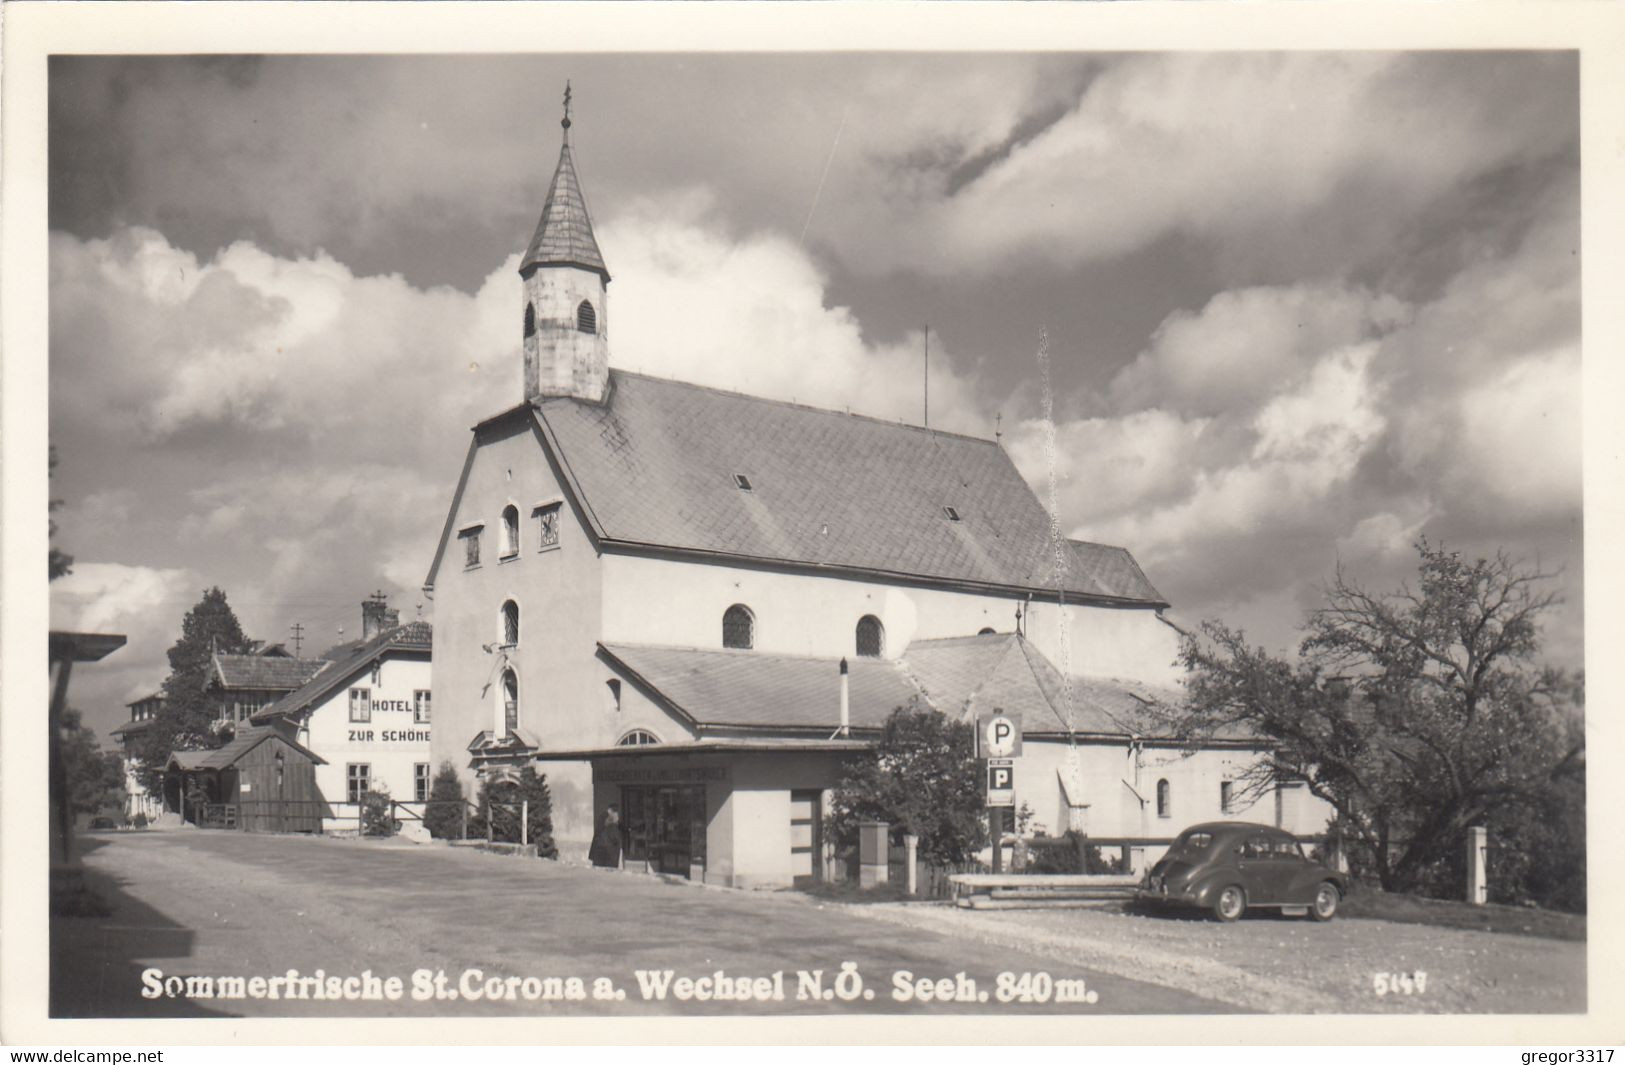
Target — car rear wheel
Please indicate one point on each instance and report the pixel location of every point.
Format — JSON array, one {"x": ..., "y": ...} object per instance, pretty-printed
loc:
[
  {"x": 1326, "y": 899},
  {"x": 1230, "y": 904}
]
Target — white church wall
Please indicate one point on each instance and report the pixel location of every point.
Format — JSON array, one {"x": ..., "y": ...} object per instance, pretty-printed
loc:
[
  {"x": 681, "y": 603},
  {"x": 557, "y": 590}
]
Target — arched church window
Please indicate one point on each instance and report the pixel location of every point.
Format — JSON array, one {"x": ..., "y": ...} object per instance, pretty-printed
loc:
[
  {"x": 530, "y": 319},
  {"x": 1164, "y": 808},
  {"x": 510, "y": 623},
  {"x": 586, "y": 317},
  {"x": 510, "y": 531},
  {"x": 638, "y": 737},
  {"x": 510, "y": 700},
  {"x": 987, "y": 632},
  {"x": 739, "y": 628},
  {"x": 871, "y": 637}
]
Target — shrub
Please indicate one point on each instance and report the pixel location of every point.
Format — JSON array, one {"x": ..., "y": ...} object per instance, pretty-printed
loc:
[
  {"x": 140, "y": 819},
  {"x": 922, "y": 777},
  {"x": 443, "y": 814},
  {"x": 501, "y": 801},
  {"x": 377, "y": 816}
]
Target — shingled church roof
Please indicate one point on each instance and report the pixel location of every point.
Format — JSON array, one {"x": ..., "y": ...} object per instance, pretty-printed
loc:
[{"x": 669, "y": 464}]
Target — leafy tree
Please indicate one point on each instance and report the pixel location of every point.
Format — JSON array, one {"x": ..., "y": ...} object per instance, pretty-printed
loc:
[
  {"x": 921, "y": 778},
  {"x": 1415, "y": 713},
  {"x": 500, "y": 803},
  {"x": 443, "y": 815},
  {"x": 61, "y": 564},
  {"x": 185, "y": 721},
  {"x": 94, "y": 778}
]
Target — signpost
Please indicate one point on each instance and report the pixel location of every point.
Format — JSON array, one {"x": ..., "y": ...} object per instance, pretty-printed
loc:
[{"x": 998, "y": 744}]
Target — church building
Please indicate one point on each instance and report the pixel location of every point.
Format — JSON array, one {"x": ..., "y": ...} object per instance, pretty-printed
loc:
[{"x": 696, "y": 604}]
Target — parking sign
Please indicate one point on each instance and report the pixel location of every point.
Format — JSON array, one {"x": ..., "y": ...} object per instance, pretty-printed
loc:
[
  {"x": 998, "y": 735},
  {"x": 1001, "y": 782}
]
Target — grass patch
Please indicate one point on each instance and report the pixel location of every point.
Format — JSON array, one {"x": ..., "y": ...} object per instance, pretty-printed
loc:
[
  {"x": 1512, "y": 920},
  {"x": 849, "y": 891}
]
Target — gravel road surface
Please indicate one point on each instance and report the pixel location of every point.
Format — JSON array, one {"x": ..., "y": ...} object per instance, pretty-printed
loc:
[{"x": 219, "y": 903}]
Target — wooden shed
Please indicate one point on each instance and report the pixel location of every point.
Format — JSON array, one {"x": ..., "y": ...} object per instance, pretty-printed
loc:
[{"x": 264, "y": 781}]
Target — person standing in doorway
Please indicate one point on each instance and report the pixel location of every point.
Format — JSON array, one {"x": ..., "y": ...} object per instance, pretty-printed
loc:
[{"x": 605, "y": 851}]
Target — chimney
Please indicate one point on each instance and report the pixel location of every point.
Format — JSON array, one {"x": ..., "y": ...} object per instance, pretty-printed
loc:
[
  {"x": 376, "y": 617},
  {"x": 846, "y": 703}
]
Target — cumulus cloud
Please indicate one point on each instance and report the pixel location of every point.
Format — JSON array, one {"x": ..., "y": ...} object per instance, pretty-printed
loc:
[
  {"x": 749, "y": 313},
  {"x": 1220, "y": 145},
  {"x": 142, "y": 603},
  {"x": 1259, "y": 441}
]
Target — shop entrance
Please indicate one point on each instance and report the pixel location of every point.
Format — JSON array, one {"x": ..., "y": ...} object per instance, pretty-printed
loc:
[{"x": 665, "y": 826}]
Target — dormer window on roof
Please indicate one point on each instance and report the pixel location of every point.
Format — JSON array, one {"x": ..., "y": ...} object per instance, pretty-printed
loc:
[
  {"x": 742, "y": 483},
  {"x": 950, "y": 513}
]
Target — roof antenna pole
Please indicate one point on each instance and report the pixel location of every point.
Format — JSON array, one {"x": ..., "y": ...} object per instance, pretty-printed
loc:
[
  {"x": 928, "y": 375},
  {"x": 298, "y": 631}
]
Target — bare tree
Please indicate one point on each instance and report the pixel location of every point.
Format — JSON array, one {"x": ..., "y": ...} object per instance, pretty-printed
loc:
[{"x": 1414, "y": 713}]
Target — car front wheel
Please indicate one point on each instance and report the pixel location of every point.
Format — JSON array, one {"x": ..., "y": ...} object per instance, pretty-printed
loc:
[
  {"x": 1326, "y": 899},
  {"x": 1230, "y": 904}
]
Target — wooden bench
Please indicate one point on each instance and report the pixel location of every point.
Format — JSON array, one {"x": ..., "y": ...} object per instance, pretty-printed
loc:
[{"x": 987, "y": 891}]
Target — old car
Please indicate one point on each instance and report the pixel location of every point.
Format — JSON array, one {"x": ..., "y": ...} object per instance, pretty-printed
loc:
[{"x": 1229, "y": 866}]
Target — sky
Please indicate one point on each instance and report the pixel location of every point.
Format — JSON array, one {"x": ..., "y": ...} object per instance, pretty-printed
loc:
[{"x": 1300, "y": 309}]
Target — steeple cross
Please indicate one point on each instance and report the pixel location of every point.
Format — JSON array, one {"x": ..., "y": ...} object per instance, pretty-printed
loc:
[{"x": 566, "y": 122}]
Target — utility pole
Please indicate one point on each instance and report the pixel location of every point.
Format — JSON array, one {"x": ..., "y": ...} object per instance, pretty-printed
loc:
[{"x": 298, "y": 637}]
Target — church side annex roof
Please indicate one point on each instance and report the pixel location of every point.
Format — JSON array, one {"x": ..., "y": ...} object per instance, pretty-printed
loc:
[{"x": 657, "y": 465}]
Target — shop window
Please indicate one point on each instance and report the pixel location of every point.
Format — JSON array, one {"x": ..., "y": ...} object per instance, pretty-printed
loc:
[
  {"x": 510, "y": 531},
  {"x": 420, "y": 706},
  {"x": 739, "y": 628},
  {"x": 510, "y": 624},
  {"x": 420, "y": 782},
  {"x": 586, "y": 317},
  {"x": 1226, "y": 796},
  {"x": 510, "y": 700},
  {"x": 1163, "y": 807},
  {"x": 471, "y": 545},
  {"x": 358, "y": 781},
  {"x": 638, "y": 737},
  {"x": 361, "y": 704},
  {"x": 530, "y": 319},
  {"x": 547, "y": 526},
  {"x": 871, "y": 637}
]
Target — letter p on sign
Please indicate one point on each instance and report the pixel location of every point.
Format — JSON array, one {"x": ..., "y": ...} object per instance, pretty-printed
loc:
[{"x": 998, "y": 735}]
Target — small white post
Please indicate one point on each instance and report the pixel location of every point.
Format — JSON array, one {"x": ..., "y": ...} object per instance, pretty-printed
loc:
[
  {"x": 1478, "y": 846},
  {"x": 524, "y": 823},
  {"x": 911, "y": 847}
]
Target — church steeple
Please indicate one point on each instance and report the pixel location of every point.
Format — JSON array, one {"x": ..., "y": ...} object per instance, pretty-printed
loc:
[{"x": 566, "y": 331}]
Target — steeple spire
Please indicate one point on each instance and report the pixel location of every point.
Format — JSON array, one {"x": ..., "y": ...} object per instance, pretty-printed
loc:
[{"x": 564, "y": 234}]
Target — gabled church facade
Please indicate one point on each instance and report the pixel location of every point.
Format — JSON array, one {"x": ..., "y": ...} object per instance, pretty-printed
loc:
[{"x": 695, "y": 604}]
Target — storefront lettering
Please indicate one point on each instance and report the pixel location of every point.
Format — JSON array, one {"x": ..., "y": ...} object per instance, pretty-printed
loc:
[{"x": 661, "y": 776}]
